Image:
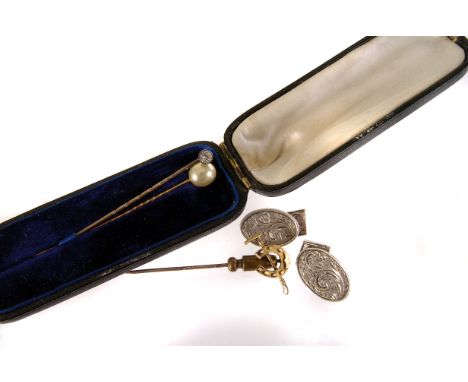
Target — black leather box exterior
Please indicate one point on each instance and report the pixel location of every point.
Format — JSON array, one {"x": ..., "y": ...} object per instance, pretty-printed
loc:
[{"x": 372, "y": 131}]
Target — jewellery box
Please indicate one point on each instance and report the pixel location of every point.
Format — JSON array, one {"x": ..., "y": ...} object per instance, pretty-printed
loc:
[{"x": 273, "y": 148}]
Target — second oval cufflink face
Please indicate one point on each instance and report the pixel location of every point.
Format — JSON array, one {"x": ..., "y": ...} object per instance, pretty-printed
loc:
[
  {"x": 273, "y": 226},
  {"x": 321, "y": 272}
]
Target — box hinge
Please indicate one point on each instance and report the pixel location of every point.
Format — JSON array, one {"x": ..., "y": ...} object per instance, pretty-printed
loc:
[{"x": 235, "y": 166}]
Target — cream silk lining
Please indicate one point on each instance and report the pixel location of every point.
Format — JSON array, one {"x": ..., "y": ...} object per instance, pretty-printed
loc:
[{"x": 340, "y": 102}]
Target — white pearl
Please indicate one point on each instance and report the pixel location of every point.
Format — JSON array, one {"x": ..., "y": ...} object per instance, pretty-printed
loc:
[{"x": 202, "y": 174}]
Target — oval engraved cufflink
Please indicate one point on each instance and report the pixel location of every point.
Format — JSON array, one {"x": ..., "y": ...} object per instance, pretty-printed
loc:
[
  {"x": 273, "y": 226},
  {"x": 321, "y": 272}
]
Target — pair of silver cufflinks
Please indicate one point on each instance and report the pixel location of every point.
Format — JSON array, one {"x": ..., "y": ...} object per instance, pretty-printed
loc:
[
  {"x": 318, "y": 269},
  {"x": 271, "y": 229}
]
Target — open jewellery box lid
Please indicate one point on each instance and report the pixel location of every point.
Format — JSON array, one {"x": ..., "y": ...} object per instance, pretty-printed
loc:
[{"x": 316, "y": 121}]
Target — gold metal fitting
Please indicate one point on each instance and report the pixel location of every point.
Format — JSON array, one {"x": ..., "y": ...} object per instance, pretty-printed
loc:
[
  {"x": 247, "y": 263},
  {"x": 278, "y": 260},
  {"x": 270, "y": 261}
]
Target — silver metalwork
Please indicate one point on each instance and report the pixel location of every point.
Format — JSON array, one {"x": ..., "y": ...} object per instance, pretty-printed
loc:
[
  {"x": 273, "y": 227},
  {"x": 300, "y": 217},
  {"x": 321, "y": 272}
]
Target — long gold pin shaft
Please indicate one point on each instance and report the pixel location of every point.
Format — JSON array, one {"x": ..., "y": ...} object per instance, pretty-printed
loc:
[
  {"x": 113, "y": 214},
  {"x": 122, "y": 211},
  {"x": 138, "y": 206},
  {"x": 247, "y": 263},
  {"x": 201, "y": 173},
  {"x": 183, "y": 268}
]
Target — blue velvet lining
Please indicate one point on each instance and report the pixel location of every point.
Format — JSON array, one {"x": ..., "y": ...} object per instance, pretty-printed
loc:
[{"x": 25, "y": 278}]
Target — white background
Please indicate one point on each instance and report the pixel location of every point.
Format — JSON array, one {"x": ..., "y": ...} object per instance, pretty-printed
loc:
[{"x": 90, "y": 88}]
